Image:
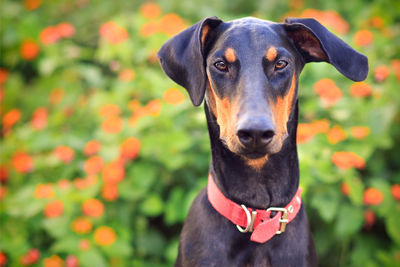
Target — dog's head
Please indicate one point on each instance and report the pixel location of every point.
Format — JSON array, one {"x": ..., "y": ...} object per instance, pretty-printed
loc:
[{"x": 248, "y": 70}]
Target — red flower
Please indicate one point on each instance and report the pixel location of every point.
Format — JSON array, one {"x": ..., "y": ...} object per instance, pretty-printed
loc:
[
  {"x": 44, "y": 191},
  {"x": 39, "y": 118},
  {"x": 110, "y": 192},
  {"x": 11, "y": 117},
  {"x": 104, "y": 236},
  {"x": 71, "y": 261},
  {"x": 360, "y": 132},
  {"x": 91, "y": 147},
  {"x": 173, "y": 96},
  {"x": 3, "y": 75},
  {"x": 336, "y": 134},
  {"x": 113, "y": 33},
  {"x": 65, "y": 30},
  {"x": 150, "y": 10},
  {"x": 130, "y": 148},
  {"x": 49, "y": 35},
  {"x": 109, "y": 110},
  {"x": 127, "y": 75},
  {"x": 31, "y": 257},
  {"x": 395, "y": 189},
  {"x": 345, "y": 188},
  {"x": 381, "y": 73},
  {"x": 82, "y": 225},
  {"x": 369, "y": 218},
  {"x": 327, "y": 90},
  {"x": 372, "y": 196},
  {"x": 22, "y": 162},
  {"x": 93, "y": 165},
  {"x": 363, "y": 38},
  {"x": 32, "y": 5},
  {"x": 29, "y": 50},
  {"x": 112, "y": 125},
  {"x": 64, "y": 153},
  {"x": 3, "y": 258},
  {"x": 54, "y": 209},
  {"x": 3, "y": 173},
  {"x": 93, "y": 208},
  {"x": 113, "y": 172},
  {"x": 346, "y": 160}
]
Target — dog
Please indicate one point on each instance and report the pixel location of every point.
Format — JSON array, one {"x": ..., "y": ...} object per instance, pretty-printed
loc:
[{"x": 247, "y": 71}]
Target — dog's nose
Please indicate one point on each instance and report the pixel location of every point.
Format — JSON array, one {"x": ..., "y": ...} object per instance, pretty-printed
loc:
[{"x": 255, "y": 133}]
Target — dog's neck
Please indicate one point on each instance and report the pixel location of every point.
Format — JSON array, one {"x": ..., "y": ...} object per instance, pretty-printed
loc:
[{"x": 273, "y": 185}]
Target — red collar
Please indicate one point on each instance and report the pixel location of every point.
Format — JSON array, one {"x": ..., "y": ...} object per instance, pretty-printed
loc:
[{"x": 257, "y": 221}]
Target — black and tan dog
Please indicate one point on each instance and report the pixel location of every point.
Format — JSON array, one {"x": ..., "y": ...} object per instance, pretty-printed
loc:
[{"x": 248, "y": 70}]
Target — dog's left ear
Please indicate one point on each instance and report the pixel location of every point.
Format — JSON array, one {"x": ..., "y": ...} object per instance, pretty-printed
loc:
[
  {"x": 182, "y": 58},
  {"x": 316, "y": 43}
]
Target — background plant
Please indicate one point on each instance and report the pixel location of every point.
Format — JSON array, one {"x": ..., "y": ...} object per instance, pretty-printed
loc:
[{"x": 101, "y": 154}]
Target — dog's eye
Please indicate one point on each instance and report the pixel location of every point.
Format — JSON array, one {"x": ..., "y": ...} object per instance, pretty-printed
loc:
[
  {"x": 280, "y": 64},
  {"x": 220, "y": 65}
]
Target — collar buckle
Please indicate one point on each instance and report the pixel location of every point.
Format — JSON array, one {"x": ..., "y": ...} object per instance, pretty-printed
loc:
[
  {"x": 250, "y": 220},
  {"x": 283, "y": 220}
]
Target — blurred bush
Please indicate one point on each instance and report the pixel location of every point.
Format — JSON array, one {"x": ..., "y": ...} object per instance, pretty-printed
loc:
[{"x": 101, "y": 154}]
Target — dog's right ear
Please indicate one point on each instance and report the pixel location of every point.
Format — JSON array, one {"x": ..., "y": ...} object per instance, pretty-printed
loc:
[{"x": 182, "y": 58}]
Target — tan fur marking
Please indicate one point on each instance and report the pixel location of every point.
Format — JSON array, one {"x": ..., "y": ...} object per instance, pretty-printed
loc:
[
  {"x": 271, "y": 53},
  {"x": 230, "y": 55},
  {"x": 204, "y": 33},
  {"x": 281, "y": 112}
]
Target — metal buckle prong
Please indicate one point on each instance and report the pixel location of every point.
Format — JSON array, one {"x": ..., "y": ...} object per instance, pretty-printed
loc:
[
  {"x": 283, "y": 220},
  {"x": 250, "y": 220}
]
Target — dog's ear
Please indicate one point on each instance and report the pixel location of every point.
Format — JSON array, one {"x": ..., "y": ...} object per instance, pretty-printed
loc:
[
  {"x": 316, "y": 43},
  {"x": 182, "y": 58}
]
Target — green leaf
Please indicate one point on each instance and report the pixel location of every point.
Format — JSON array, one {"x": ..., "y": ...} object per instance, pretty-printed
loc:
[
  {"x": 349, "y": 220},
  {"x": 326, "y": 201},
  {"x": 392, "y": 224},
  {"x": 68, "y": 244},
  {"x": 57, "y": 227},
  {"x": 152, "y": 205},
  {"x": 92, "y": 257}
]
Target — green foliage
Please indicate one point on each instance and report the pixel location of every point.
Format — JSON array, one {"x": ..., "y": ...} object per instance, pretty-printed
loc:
[{"x": 96, "y": 77}]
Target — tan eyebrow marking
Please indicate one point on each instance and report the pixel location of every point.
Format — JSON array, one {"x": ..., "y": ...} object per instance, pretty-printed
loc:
[
  {"x": 271, "y": 53},
  {"x": 230, "y": 55}
]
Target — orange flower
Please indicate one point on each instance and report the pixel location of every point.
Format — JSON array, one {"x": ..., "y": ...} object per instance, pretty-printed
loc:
[
  {"x": 31, "y": 257},
  {"x": 56, "y": 96},
  {"x": 110, "y": 192},
  {"x": 22, "y": 162},
  {"x": 3, "y": 173},
  {"x": 113, "y": 33},
  {"x": 64, "y": 153},
  {"x": 3, "y": 258},
  {"x": 84, "y": 244},
  {"x": 11, "y": 117},
  {"x": 346, "y": 160},
  {"x": 381, "y": 73},
  {"x": 130, "y": 148},
  {"x": 93, "y": 165},
  {"x": 376, "y": 22},
  {"x": 369, "y": 218},
  {"x": 149, "y": 28},
  {"x": 328, "y": 18},
  {"x": 54, "y": 209},
  {"x": 360, "y": 89},
  {"x": 44, "y": 191},
  {"x": 336, "y": 134},
  {"x": 304, "y": 133},
  {"x": 82, "y": 225},
  {"x": 327, "y": 90},
  {"x": 83, "y": 183},
  {"x": 360, "y": 132},
  {"x": 49, "y": 35},
  {"x": 372, "y": 196},
  {"x": 109, "y": 110},
  {"x": 363, "y": 38},
  {"x": 112, "y": 125},
  {"x": 150, "y": 10},
  {"x": 345, "y": 188},
  {"x": 126, "y": 75},
  {"x": 153, "y": 107},
  {"x": 53, "y": 261},
  {"x": 137, "y": 115},
  {"x": 39, "y": 118},
  {"x": 320, "y": 126},
  {"x": 395, "y": 189},
  {"x": 104, "y": 236},
  {"x": 171, "y": 24},
  {"x": 29, "y": 49},
  {"x": 65, "y": 30},
  {"x": 134, "y": 105},
  {"x": 395, "y": 63},
  {"x": 32, "y": 5},
  {"x": 113, "y": 172},
  {"x": 91, "y": 147},
  {"x": 3, "y": 75},
  {"x": 173, "y": 96},
  {"x": 93, "y": 208},
  {"x": 71, "y": 261}
]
